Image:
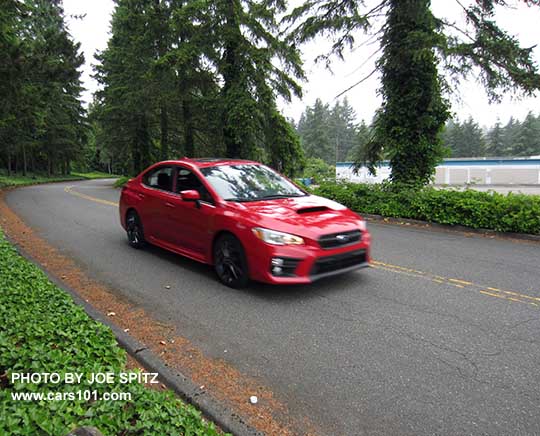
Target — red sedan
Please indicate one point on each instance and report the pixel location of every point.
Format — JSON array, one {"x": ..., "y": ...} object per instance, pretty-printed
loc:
[{"x": 245, "y": 219}]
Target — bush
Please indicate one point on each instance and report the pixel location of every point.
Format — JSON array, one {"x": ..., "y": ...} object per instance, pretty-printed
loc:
[
  {"x": 318, "y": 170},
  {"x": 517, "y": 213},
  {"x": 121, "y": 181},
  {"x": 44, "y": 331}
]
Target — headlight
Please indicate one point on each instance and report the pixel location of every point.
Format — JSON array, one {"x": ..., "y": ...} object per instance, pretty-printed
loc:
[{"x": 277, "y": 238}]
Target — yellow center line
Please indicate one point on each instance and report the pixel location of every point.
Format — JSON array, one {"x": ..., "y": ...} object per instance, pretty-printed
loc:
[
  {"x": 457, "y": 283},
  {"x": 69, "y": 190},
  {"x": 461, "y": 284}
]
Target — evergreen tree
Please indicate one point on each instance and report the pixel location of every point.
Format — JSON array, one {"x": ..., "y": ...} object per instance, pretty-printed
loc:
[
  {"x": 245, "y": 34},
  {"x": 124, "y": 73},
  {"x": 314, "y": 130},
  {"x": 472, "y": 140},
  {"x": 527, "y": 140},
  {"x": 511, "y": 131},
  {"x": 464, "y": 139},
  {"x": 197, "y": 77},
  {"x": 495, "y": 140},
  {"x": 363, "y": 137},
  {"x": 343, "y": 128},
  {"x": 42, "y": 119},
  {"x": 413, "y": 112},
  {"x": 10, "y": 78},
  {"x": 414, "y": 43}
]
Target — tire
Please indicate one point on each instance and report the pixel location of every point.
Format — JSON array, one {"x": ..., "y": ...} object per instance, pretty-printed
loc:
[
  {"x": 134, "y": 230},
  {"x": 230, "y": 262}
]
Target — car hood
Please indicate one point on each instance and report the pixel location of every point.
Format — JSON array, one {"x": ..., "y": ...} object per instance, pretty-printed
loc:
[{"x": 310, "y": 216}]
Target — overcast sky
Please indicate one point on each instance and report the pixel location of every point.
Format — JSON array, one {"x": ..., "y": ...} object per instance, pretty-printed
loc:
[{"x": 469, "y": 100}]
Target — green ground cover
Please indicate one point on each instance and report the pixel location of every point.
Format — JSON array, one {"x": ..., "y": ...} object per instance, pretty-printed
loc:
[
  {"x": 44, "y": 331},
  {"x": 34, "y": 179}
]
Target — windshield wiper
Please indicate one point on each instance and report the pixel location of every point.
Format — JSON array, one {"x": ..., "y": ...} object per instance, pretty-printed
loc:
[
  {"x": 240, "y": 200},
  {"x": 271, "y": 196}
]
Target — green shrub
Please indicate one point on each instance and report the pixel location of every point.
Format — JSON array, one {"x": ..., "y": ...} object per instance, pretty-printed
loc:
[
  {"x": 121, "y": 181},
  {"x": 517, "y": 213},
  {"x": 44, "y": 331}
]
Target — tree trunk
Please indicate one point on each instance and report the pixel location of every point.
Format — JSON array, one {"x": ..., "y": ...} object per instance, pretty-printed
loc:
[
  {"x": 164, "y": 122},
  {"x": 189, "y": 142},
  {"x": 231, "y": 76},
  {"x": 25, "y": 163},
  {"x": 9, "y": 163}
]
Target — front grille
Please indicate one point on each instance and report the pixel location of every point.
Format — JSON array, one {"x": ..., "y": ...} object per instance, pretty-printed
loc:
[
  {"x": 339, "y": 239},
  {"x": 339, "y": 261}
]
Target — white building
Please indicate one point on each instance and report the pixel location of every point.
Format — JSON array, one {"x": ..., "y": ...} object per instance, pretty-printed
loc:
[{"x": 480, "y": 171}]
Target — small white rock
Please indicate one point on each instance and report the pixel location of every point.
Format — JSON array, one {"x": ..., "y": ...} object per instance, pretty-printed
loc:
[
  {"x": 253, "y": 399},
  {"x": 167, "y": 287}
]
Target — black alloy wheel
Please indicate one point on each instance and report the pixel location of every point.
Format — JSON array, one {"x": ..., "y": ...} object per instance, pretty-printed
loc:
[
  {"x": 134, "y": 230},
  {"x": 230, "y": 262}
]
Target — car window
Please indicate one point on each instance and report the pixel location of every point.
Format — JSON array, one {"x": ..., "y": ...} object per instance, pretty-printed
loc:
[
  {"x": 160, "y": 178},
  {"x": 249, "y": 182},
  {"x": 186, "y": 180}
]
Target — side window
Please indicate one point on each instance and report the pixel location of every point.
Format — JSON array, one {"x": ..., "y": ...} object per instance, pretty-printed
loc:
[
  {"x": 186, "y": 181},
  {"x": 159, "y": 178}
]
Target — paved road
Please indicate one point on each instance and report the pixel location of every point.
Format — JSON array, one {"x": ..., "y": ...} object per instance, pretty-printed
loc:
[{"x": 440, "y": 337}]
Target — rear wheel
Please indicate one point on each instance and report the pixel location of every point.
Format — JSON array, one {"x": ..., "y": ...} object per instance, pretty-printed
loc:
[
  {"x": 134, "y": 230},
  {"x": 230, "y": 262}
]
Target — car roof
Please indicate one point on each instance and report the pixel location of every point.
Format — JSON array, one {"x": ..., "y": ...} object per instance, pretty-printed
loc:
[{"x": 211, "y": 161}]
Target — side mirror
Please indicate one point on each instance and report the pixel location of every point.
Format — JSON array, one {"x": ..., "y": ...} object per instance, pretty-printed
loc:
[{"x": 190, "y": 195}]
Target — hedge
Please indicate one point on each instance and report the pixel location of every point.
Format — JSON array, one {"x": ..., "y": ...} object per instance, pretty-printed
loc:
[
  {"x": 518, "y": 213},
  {"x": 43, "y": 331}
]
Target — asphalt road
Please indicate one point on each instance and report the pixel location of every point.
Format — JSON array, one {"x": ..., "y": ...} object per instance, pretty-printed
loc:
[{"x": 440, "y": 337}]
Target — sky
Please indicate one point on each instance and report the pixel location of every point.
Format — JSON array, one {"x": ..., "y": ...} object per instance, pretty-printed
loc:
[{"x": 468, "y": 99}]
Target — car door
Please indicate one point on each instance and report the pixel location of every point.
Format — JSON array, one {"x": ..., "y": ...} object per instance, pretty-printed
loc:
[
  {"x": 157, "y": 190},
  {"x": 192, "y": 221}
]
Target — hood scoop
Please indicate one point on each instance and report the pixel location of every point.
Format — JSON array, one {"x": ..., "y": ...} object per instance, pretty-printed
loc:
[{"x": 313, "y": 209}]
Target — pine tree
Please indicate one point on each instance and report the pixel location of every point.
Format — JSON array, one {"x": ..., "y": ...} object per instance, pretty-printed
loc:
[
  {"x": 127, "y": 96},
  {"x": 413, "y": 112},
  {"x": 343, "y": 128},
  {"x": 426, "y": 41},
  {"x": 245, "y": 34},
  {"x": 495, "y": 140},
  {"x": 42, "y": 117},
  {"x": 527, "y": 141},
  {"x": 314, "y": 129}
]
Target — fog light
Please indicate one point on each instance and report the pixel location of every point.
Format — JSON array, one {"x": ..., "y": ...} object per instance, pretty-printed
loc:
[
  {"x": 276, "y": 261},
  {"x": 277, "y": 270}
]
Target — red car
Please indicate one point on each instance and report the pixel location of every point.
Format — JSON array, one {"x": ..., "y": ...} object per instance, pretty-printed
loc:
[{"x": 245, "y": 219}]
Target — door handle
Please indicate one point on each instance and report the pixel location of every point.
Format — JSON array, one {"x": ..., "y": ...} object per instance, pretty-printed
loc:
[{"x": 172, "y": 206}]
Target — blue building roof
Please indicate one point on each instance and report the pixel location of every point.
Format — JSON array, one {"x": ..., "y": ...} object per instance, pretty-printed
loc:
[{"x": 469, "y": 162}]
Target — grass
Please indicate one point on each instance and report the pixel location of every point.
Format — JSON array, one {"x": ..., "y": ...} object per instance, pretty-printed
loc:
[
  {"x": 44, "y": 331},
  {"x": 95, "y": 175},
  {"x": 121, "y": 181},
  {"x": 34, "y": 179}
]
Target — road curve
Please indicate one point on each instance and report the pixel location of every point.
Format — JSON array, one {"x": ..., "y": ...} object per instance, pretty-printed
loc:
[{"x": 439, "y": 337}]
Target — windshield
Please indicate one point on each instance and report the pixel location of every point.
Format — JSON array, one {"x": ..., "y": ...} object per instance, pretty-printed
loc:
[{"x": 245, "y": 182}]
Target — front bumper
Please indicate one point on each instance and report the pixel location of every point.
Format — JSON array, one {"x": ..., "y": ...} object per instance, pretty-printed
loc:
[{"x": 305, "y": 263}]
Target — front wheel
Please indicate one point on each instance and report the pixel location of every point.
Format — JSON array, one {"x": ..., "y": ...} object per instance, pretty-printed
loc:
[
  {"x": 230, "y": 262},
  {"x": 134, "y": 230}
]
